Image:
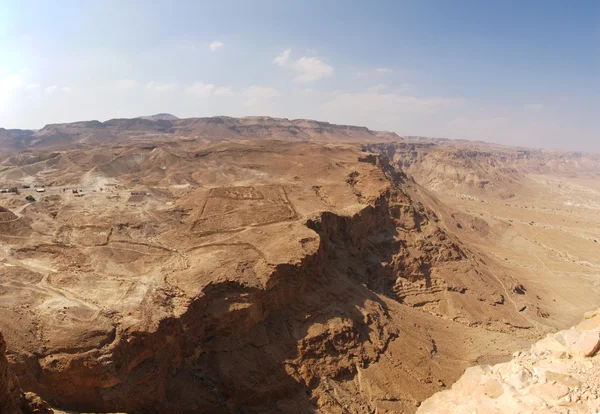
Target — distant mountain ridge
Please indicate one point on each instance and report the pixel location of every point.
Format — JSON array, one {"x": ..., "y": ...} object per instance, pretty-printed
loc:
[
  {"x": 159, "y": 117},
  {"x": 165, "y": 126},
  {"x": 15, "y": 138}
]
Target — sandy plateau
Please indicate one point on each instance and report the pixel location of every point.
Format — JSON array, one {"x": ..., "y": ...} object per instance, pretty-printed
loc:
[{"x": 262, "y": 265}]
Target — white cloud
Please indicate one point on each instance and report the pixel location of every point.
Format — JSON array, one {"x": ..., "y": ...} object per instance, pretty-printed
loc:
[
  {"x": 9, "y": 88},
  {"x": 283, "y": 57},
  {"x": 260, "y": 92},
  {"x": 377, "y": 88},
  {"x": 11, "y": 81},
  {"x": 223, "y": 91},
  {"x": 215, "y": 45},
  {"x": 384, "y": 70},
  {"x": 208, "y": 89},
  {"x": 161, "y": 87},
  {"x": 254, "y": 94},
  {"x": 403, "y": 87},
  {"x": 55, "y": 88},
  {"x": 32, "y": 86},
  {"x": 312, "y": 69},
  {"x": 201, "y": 89},
  {"x": 126, "y": 84},
  {"x": 386, "y": 103}
]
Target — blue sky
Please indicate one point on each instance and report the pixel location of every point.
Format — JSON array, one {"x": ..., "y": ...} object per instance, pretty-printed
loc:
[{"x": 512, "y": 72}]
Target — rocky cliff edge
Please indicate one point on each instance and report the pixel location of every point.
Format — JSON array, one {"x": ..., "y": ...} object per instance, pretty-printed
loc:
[{"x": 558, "y": 374}]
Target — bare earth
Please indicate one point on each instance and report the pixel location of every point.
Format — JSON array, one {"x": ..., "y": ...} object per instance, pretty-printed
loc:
[{"x": 262, "y": 265}]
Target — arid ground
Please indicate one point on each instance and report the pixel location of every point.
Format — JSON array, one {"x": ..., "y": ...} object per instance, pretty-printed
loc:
[{"x": 262, "y": 265}]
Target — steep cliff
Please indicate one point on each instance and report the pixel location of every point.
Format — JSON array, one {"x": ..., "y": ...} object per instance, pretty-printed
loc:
[
  {"x": 476, "y": 169},
  {"x": 332, "y": 283},
  {"x": 12, "y": 398}
]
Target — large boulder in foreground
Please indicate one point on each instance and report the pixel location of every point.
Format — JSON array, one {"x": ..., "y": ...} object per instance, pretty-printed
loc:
[{"x": 558, "y": 374}]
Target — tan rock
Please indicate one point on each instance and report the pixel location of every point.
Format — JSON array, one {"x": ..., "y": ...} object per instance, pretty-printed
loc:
[
  {"x": 582, "y": 343},
  {"x": 591, "y": 314},
  {"x": 12, "y": 398},
  {"x": 493, "y": 389},
  {"x": 550, "y": 392},
  {"x": 587, "y": 344},
  {"x": 591, "y": 323},
  {"x": 562, "y": 379}
]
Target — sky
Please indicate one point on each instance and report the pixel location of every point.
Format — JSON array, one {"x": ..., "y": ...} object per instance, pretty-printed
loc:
[{"x": 512, "y": 72}]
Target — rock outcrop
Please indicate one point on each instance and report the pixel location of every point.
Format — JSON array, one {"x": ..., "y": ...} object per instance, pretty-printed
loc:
[
  {"x": 12, "y": 399},
  {"x": 559, "y": 374},
  {"x": 291, "y": 277},
  {"x": 260, "y": 265},
  {"x": 11, "y": 396},
  {"x": 166, "y": 126},
  {"x": 475, "y": 169}
]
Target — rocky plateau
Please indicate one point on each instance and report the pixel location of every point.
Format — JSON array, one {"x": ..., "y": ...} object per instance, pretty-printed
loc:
[{"x": 262, "y": 265}]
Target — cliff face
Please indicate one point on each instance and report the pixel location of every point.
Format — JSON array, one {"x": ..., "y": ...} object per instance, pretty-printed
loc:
[
  {"x": 91, "y": 133},
  {"x": 477, "y": 169},
  {"x": 15, "y": 138},
  {"x": 12, "y": 398},
  {"x": 330, "y": 283}
]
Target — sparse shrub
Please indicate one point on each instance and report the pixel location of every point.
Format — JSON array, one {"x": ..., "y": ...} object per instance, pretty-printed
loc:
[{"x": 30, "y": 198}]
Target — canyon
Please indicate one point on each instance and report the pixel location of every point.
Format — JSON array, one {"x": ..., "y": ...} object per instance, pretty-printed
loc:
[{"x": 266, "y": 265}]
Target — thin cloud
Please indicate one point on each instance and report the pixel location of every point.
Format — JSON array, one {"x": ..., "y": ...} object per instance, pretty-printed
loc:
[
  {"x": 55, "y": 88},
  {"x": 11, "y": 81},
  {"x": 161, "y": 87},
  {"x": 255, "y": 94},
  {"x": 215, "y": 45},
  {"x": 201, "y": 89},
  {"x": 377, "y": 88},
  {"x": 126, "y": 84},
  {"x": 386, "y": 103},
  {"x": 32, "y": 86},
  {"x": 208, "y": 89},
  {"x": 282, "y": 58},
  {"x": 260, "y": 92},
  {"x": 223, "y": 91},
  {"x": 402, "y": 88},
  {"x": 384, "y": 70},
  {"x": 311, "y": 69}
]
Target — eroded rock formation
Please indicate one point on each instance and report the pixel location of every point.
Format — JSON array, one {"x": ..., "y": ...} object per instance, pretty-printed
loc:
[
  {"x": 559, "y": 374},
  {"x": 289, "y": 294},
  {"x": 161, "y": 271},
  {"x": 12, "y": 399}
]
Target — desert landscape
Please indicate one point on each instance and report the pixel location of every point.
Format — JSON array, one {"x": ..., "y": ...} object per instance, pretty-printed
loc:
[{"x": 267, "y": 265}]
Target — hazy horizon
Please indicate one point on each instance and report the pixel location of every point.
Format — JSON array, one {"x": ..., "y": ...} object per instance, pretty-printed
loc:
[{"x": 512, "y": 73}]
